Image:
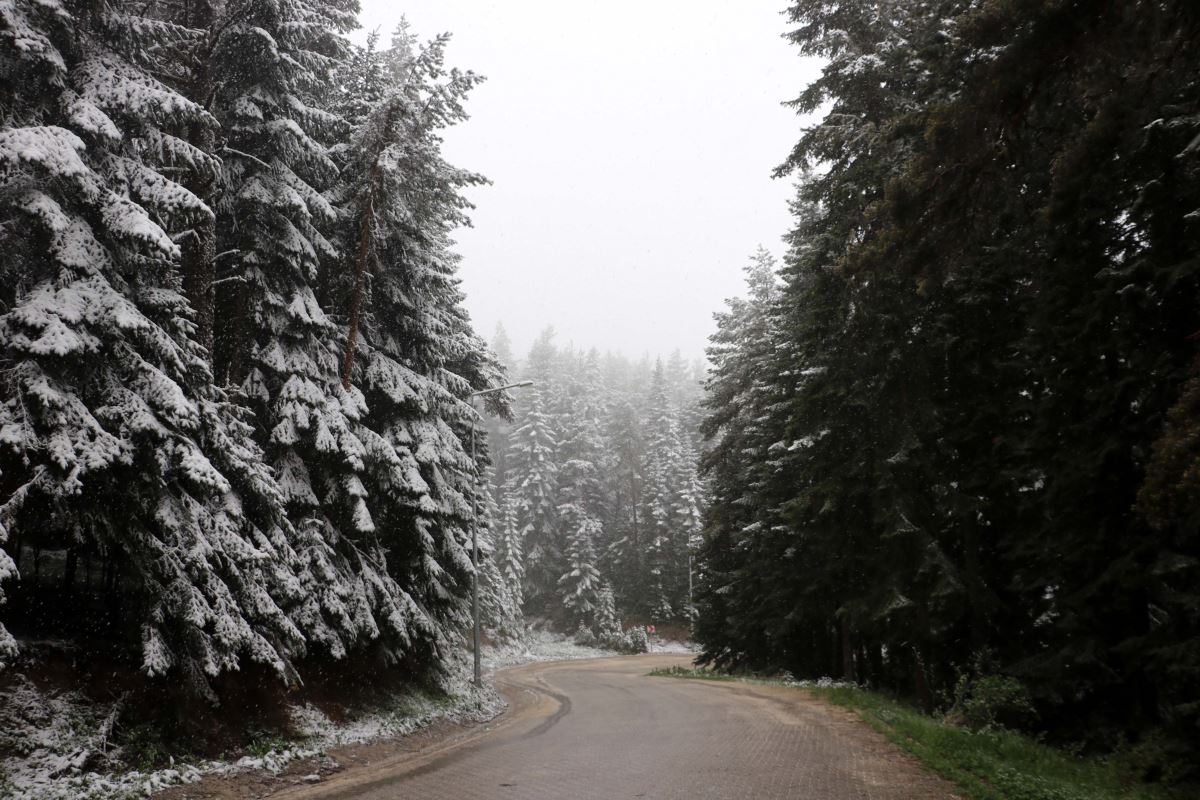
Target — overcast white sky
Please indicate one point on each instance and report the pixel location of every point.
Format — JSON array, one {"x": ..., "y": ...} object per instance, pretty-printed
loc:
[{"x": 630, "y": 144}]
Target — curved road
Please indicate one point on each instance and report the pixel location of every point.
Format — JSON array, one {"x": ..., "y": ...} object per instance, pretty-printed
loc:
[{"x": 604, "y": 729}]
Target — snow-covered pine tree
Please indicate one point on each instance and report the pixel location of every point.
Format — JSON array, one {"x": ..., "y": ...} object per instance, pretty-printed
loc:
[
  {"x": 582, "y": 452},
  {"x": 113, "y": 442},
  {"x": 410, "y": 345},
  {"x": 608, "y": 625},
  {"x": 509, "y": 553},
  {"x": 533, "y": 457},
  {"x": 689, "y": 515},
  {"x": 667, "y": 550},
  {"x": 678, "y": 378},
  {"x": 500, "y": 611},
  {"x": 502, "y": 347},
  {"x": 581, "y": 488},
  {"x": 273, "y": 64},
  {"x": 499, "y": 429},
  {"x": 625, "y": 552},
  {"x": 737, "y": 437},
  {"x": 580, "y": 584},
  {"x": 542, "y": 365},
  {"x": 8, "y": 571}
]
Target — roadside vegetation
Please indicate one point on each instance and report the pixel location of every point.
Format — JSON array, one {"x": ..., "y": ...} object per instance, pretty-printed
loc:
[{"x": 987, "y": 763}]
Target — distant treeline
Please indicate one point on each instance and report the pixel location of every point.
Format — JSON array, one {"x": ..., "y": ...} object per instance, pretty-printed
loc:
[
  {"x": 954, "y": 439},
  {"x": 598, "y": 505}
]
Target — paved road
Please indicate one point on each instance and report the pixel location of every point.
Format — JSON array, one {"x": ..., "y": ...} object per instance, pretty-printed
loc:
[{"x": 604, "y": 729}]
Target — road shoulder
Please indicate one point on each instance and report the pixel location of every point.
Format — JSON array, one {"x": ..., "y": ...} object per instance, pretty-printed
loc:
[{"x": 877, "y": 761}]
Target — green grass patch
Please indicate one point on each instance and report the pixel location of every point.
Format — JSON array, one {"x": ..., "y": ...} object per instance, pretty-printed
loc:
[
  {"x": 698, "y": 674},
  {"x": 989, "y": 765}
]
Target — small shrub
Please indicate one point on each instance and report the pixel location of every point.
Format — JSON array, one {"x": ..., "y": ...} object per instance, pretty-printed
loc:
[
  {"x": 639, "y": 642},
  {"x": 264, "y": 742},
  {"x": 632, "y": 641},
  {"x": 986, "y": 701},
  {"x": 611, "y": 641},
  {"x": 143, "y": 747},
  {"x": 584, "y": 636},
  {"x": 1158, "y": 758}
]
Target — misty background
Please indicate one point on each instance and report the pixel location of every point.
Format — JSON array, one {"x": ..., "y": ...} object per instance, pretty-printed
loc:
[{"x": 630, "y": 147}]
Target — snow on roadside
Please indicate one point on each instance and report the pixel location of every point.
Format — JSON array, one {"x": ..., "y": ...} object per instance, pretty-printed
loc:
[
  {"x": 52, "y": 739},
  {"x": 56, "y": 746},
  {"x": 539, "y": 645},
  {"x": 408, "y": 714},
  {"x": 681, "y": 648},
  {"x": 542, "y": 645}
]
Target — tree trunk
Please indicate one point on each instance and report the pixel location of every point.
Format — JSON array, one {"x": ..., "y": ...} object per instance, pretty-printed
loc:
[
  {"x": 875, "y": 659},
  {"x": 921, "y": 681},
  {"x": 363, "y": 256},
  {"x": 199, "y": 250},
  {"x": 112, "y": 598},
  {"x": 691, "y": 600},
  {"x": 975, "y": 585},
  {"x": 235, "y": 346},
  {"x": 1146, "y": 692},
  {"x": 847, "y": 649},
  {"x": 360, "y": 274},
  {"x": 69, "y": 569}
]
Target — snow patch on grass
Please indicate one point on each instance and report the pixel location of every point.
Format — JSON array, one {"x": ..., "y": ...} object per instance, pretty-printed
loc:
[
  {"x": 56, "y": 746},
  {"x": 544, "y": 645},
  {"x": 409, "y": 714},
  {"x": 49, "y": 740},
  {"x": 539, "y": 645},
  {"x": 682, "y": 648}
]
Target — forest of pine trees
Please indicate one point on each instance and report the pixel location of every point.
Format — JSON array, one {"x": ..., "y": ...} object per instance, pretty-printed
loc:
[
  {"x": 236, "y": 426},
  {"x": 597, "y": 503},
  {"x": 234, "y": 361},
  {"x": 949, "y": 442},
  {"x": 952, "y": 437}
]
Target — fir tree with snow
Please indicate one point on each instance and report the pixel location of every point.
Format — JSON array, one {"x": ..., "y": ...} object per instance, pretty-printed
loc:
[
  {"x": 607, "y": 624},
  {"x": 672, "y": 526},
  {"x": 509, "y": 553},
  {"x": 408, "y": 342},
  {"x": 533, "y": 456},
  {"x": 579, "y": 585},
  {"x": 114, "y": 445}
]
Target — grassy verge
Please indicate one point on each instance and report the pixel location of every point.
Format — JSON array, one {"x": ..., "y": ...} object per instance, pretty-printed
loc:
[{"x": 992, "y": 765}]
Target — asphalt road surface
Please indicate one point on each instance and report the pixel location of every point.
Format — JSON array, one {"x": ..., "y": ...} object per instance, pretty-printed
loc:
[{"x": 605, "y": 729}]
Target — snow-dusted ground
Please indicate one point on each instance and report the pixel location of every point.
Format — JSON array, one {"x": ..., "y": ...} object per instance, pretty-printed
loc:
[
  {"x": 63, "y": 743},
  {"x": 682, "y": 648},
  {"x": 539, "y": 645},
  {"x": 63, "y": 749}
]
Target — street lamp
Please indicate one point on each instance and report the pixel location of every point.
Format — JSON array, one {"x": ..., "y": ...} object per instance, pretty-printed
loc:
[{"x": 475, "y": 527}]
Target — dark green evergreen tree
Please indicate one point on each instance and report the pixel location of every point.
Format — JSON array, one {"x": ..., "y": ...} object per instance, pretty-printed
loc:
[{"x": 974, "y": 433}]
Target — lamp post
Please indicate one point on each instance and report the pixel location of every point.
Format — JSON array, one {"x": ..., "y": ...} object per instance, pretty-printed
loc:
[{"x": 475, "y": 528}]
